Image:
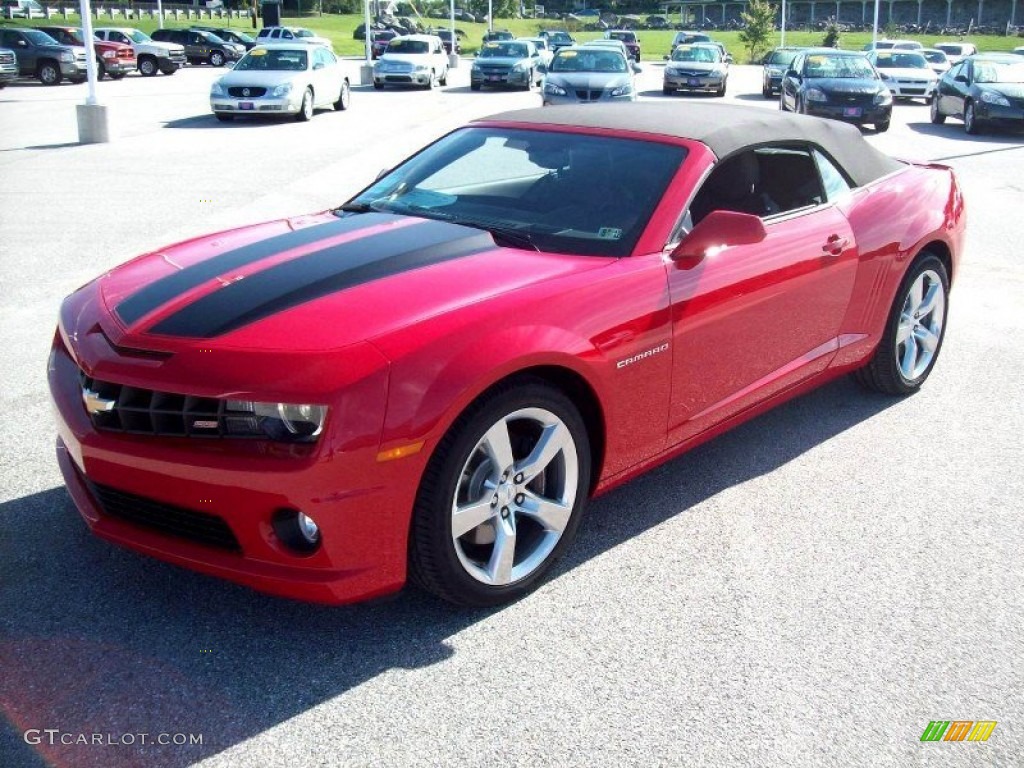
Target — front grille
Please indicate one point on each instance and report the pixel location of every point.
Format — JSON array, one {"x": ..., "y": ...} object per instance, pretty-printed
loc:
[
  {"x": 853, "y": 99},
  {"x": 589, "y": 95},
  {"x": 7, "y": 58},
  {"x": 200, "y": 527},
  {"x": 253, "y": 92},
  {"x": 147, "y": 412},
  {"x": 398, "y": 78}
]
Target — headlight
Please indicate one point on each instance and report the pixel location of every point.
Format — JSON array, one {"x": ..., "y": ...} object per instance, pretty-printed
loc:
[
  {"x": 278, "y": 421},
  {"x": 216, "y": 89},
  {"x": 67, "y": 56},
  {"x": 815, "y": 94},
  {"x": 622, "y": 90},
  {"x": 671, "y": 71},
  {"x": 554, "y": 90},
  {"x": 110, "y": 54},
  {"x": 522, "y": 66},
  {"x": 421, "y": 68},
  {"x": 282, "y": 90},
  {"x": 882, "y": 98},
  {"x": 991, "y": 97},
  {"x": 884, "y": 76}
]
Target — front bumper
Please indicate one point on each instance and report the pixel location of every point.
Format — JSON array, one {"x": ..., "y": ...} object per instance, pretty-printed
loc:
[
  {"x": 258, "y": 105},
  {"x": 702, "y": 83},
  {"x": 161, "y": 496},
  {"x": 402, "y": 78},
  {"x": 861, "y": 115},
  {"x": 1010, "y": 117},
  {"x": 73, "y": 69},
  {"x": 515, "y": 78},
  {"x": 175, "y": 60},
  {"x": 910, "y": 90},
  {"x": 119, "y": 66},
  {"x": 589, "y": 97}
]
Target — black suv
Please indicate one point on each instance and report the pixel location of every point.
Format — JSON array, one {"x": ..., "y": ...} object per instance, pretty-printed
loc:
[
  {"x": 230, "y": 36},
  {"x": 201, "y": 47}
]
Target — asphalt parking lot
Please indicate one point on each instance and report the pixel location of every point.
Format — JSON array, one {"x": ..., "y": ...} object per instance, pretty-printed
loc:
[{"x": 811, "y": 589}]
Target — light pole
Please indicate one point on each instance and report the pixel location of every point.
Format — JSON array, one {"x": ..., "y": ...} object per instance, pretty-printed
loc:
[
  {"x": 783, "y": 41},
  {"x": 874, "y": 27},
  {"x": 92, "y": 116}
]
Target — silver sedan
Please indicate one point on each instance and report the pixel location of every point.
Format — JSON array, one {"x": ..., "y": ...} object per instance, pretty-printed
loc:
[{"x": 281, "y": 79}]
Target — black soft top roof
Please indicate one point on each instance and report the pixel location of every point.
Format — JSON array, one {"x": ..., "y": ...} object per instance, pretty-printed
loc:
[{"x": 724, "y": 128}]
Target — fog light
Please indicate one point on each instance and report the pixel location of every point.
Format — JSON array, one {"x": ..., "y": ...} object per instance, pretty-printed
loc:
[{"x": 297, "y": 530}]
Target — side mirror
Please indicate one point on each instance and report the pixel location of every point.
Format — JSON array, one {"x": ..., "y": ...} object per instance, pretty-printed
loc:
[
  {"x": 793, "y": 74},
  {"x": 728, "y": 58},
  {"x": 542, "y": 68},
  {"x": 719, "y": 229},
  {"x": 664, "y": 58}
]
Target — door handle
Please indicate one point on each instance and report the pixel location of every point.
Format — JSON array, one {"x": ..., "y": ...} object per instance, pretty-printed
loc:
[{"x": 835, "y": 245}]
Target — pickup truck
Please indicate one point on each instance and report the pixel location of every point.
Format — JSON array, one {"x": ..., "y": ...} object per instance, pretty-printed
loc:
[
  {"x": 114, "y": 59},
  {"x": 8, "y": 67},
  {"x": 152, "y": 56},
  {"x": 40, "y": 56}
]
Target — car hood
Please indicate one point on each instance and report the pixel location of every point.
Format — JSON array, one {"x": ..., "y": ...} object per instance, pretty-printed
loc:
[
  {"x": 1013, "y": 90},
  {"x": 408, "y": 58},
  {"x": 265, "y": 79},
  {"x": 695, "y": 66},
  {"x": 501, "y": 61},
  {"x": 590, "y": 80},
  {"x": 320, "y": 282},
  {"x": 845, "y": 85}
]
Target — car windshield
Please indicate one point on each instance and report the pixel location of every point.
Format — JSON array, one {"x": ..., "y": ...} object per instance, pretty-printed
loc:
[
  {"x": 408, "y": 46},
  {"x": 588, "y": 61},
  {"x": 68, "y": 36},
  {"x": 243, "y": 36},
  {"x": 782, "y": 58},
  {"x": 554, "y": 191},
  {"x": 626, "y": 37},
  {"x": 897, "y": 60},
  {"x": 843, "y": 67},
  {"x": 303, "y": 33},
  {"x": 139, "y": 36},
  {"x": 273, "y": 60},
  {"x": 935, "y": 57},
  {"x": 686, "y": 53},
  {"x": 560, "y": 37},
  {"x": 950, "y": 48},
  {"x": 998, "y": 72},
  {"x": 211, "y": 38},
  {"x": 39, "y": 38},
  {"x": 504, "y": 50}
]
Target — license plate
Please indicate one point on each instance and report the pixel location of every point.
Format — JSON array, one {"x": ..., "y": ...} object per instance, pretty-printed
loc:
[
  {"x": 693, "y": 81},
  {"x": 851, "y": 112},
  {"x": 245, "y": 105},
  {"x": 494, "y": 78}
]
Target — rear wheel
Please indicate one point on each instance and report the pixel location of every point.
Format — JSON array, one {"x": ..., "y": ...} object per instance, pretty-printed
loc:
[
  {"x": 502, "y": 496},
  {"x": 306, "y": 108},
  {"x": 937, "y": 117},
  {"x": 971, "y": 125},
  {"x": 914, "y": 331},
  {"x": 49, "y": 73}
]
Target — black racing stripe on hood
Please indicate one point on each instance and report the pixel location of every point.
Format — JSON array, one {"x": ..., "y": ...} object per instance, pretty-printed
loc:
[
  {"x": 321, "y": 273},
  {"x": 158, "y": 293}
]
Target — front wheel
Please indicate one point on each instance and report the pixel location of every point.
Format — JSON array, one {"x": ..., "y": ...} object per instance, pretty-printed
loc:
[
  {"x": 49, "y": 73},
  {"x": 914, "y": 331},
  {"x": 502, "y": 496},
  {"x": 444, "y": 78},
  {"x": 937, "y": 117},
  {"x": 971, "y": 119},
  {"x": 147, "y": 66},
  {"x": 344, "y": 97},
  {"x": 217, "y": 59},
  {"x": 882, "y": 127},
  {"x": 306, "y": 108},
  {"x": 100, "y": 70}
]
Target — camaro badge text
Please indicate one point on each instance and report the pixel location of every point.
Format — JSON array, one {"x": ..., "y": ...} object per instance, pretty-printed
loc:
[
  {"x": 638, "y": 357},
  {"x": 95, "y": 404}
]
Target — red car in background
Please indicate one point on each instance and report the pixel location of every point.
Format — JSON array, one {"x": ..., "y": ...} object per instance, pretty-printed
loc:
[
  {"x": 379, "y": 40},
  {"x": 430, "y": 381},
  {"x": 114, "y": 59}
]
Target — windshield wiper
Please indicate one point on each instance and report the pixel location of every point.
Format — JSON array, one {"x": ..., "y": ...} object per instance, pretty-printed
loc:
[
  {"x": 513, "y": 237},
  {"x": 356, "y": 208}
]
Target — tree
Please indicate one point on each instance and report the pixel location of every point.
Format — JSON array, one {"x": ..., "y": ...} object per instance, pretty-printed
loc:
[
  {"x": 759, "y": 19},
  {"x": 833, "y": 32}
]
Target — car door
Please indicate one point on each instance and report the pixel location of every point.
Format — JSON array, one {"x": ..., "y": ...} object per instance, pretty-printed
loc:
[
  {"x": 790, "y": 84},
  {"x": 323, "y": 77},
  {"x": 960, "y": 89},
  {"x": 753, "y": 320}
]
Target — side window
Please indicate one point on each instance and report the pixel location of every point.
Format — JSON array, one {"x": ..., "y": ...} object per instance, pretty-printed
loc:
[
  {"x": 286, "y": 35},
  {"x": 763, "y": 182},
  {"x": 832, "y": 179},
  {"x": 9, "y": 39}
]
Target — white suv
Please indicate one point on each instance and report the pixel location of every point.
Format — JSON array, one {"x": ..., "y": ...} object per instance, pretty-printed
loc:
[
  {"x": 412, "y": 60},
  {"x": 291, "y": 35}
]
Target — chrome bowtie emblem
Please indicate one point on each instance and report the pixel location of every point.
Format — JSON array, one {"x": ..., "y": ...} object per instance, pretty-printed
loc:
[
  {"x": 95, "y": 404},
  {"x": 245, "y": 91}
]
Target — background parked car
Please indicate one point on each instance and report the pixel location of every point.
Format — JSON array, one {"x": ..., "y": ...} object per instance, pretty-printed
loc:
[
  {"x": 902, "y": 45},
  {"x": 114, "y": 59},
  {"x": 498, "y": 34},
  {"x": 153, "y": 56},
  {"x": 291, "y": 34},
  {"x": 686, "y": 38},
  {"x": 412, "y": 60},
  {"x": 580, "y": 75},
  {"x": 937, "y": 60},
  {"x": 905, "y": 73},
  {"x": 628, "y": 38},
  {"x": 557, "y": 39},
  {"x": 201, "y": 47},
  {"x": 450, "y": 41},
  {"x": 775, "y": 65},
  {"x": 544, "y": 52},
  {"x": 697, "y": 67},
  {"x": 982, "y": 90},
  {"x": 957, "y": 51},
  {"x": 42, "y": 57},
  {"x": 379, "y": 39},
  {"x": 506, "y": 63},
  {"x": 841, "y": 85},
  {"x": 281, "y": 79},
  {"x": 8, "y": 67},
  {"x": 243, "y": 39}
]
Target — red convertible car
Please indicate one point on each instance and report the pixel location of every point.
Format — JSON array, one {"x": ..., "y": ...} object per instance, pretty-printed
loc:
[{"x": 430, "y": 381}]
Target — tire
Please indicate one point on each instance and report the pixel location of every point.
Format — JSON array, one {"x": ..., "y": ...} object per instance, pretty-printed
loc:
[
  {"x": 169, "y": 69},
  {"x": 100, "y": 70},
  {"x": 344, "y": 97},
  {"x": 305, "y": 112},
  {"x": 224, "y": 118},
  {"x": 118, "y": 76},
  {"x": 77, "y": 80},
  {"x": 216, "y": 59},
  {"x": 444, "y": 79},
  {"x": 49, "y": 73},
  {"x": 971, "y": 124},
  {"x": 937, "y": 117},
  {"x": 766, "y": 92},
  {"x": 667, "y": 91},
  {"x": 882, "y": 127},
  {"x": 721, "y": 91},
  {"x": 918, "y": 314},
  {"x": 474, "y": 86},
  {"x": 147, "y": 66},
  {"x": 432, "y": 82},
  {"x": 509, "y": 422},
  {"x": 378, "y": 86},
  {"x": 782, "y": 103}
]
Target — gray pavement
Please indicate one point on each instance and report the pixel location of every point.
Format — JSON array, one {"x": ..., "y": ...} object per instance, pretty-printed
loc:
[{"x": 810, "y": 589}]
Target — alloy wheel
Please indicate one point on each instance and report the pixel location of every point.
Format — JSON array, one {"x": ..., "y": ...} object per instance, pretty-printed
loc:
[{"x": 920, "y": 325}]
